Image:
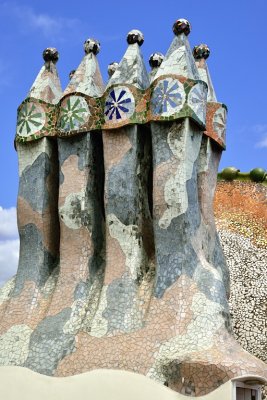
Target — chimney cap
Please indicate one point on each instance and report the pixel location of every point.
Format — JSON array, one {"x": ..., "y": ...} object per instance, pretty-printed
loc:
[
  {"x": 135, "y": 36},
  {"x": 201, "y": 51},
  {"x": 91, "y": 46},
  {"x": 112, "y": 68},
  {"x": 50, "y": 54},
  {"x": 181, "y": 26},
  {"x": 156, "y": 59}
]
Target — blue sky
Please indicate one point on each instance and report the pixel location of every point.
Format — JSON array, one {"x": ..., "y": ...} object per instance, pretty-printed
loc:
[{"x": 236, "y": 32}]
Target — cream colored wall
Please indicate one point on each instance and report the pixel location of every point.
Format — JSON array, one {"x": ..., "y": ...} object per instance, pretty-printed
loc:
[{"x": 18, "y": 383}]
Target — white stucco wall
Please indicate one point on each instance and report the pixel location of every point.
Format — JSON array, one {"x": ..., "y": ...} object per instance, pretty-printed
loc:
[{"x": 18, "y": 383}]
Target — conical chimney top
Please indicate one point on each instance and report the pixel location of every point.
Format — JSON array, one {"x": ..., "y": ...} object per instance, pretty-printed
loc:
[
  {"x": 131, "y": 69},
  {"x": 47, "y": 85},
  {"x": 87, "y": 78},
  {"x": 201, "y": 53},
  {"x": 179, "y": 59}
]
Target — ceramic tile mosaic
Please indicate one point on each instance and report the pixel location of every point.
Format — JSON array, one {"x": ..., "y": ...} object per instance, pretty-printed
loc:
[
  {"x": 120, "y": 264},
  {"x": 216, "y": 113},
  {"x": 201, "y": 53}
]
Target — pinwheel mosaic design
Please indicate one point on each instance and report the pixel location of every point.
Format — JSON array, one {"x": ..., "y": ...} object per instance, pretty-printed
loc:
[
  {"x": 74, "y": 113},
  {"x": 119, "y": 105},
  {"x": 197, "y": 100},
  {"x": 168, "y": 97},
  {"x": 31, "y": 119},
  {"x": 219, "y": 122}
]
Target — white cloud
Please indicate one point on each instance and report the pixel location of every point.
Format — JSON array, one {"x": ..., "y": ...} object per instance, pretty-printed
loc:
[
  {"x": 258, "y": 130},
  {"x": 5, "y": 74},
  {"x": 262, "y": 130},
  {"x": 9, "y": 243},
  {"x": 262, "y": 143},
  {"x": 30, "y": 20},
  {"x": 9, "y": 255},
  {"x": 8, "y": 223}
]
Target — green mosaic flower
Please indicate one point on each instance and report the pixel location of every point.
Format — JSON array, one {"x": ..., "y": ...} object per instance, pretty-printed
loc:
[
  {"x": 74, "y": 113},
  {"x": 31, "y": 119}
]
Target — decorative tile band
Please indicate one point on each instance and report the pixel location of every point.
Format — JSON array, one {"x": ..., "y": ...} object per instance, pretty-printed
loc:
[{"x": 169, "y": 98}]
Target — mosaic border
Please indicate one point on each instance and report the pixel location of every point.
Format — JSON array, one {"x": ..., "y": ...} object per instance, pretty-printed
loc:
[{"x": 169, "y": 98}]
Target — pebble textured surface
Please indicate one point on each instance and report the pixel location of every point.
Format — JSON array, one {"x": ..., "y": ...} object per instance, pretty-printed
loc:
[
  {"x": 241, "y": 216},
  {"x": 247, "y": 264},
  {"x": 137, "y": 280}
]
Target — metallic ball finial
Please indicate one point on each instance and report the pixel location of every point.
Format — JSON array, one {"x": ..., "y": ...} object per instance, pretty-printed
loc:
[
  {"x": 72, "y": 73},
  {"x": 91, "y": 46},
  {"x": 155, "y": 60},
  {"x": 112, "y": 68},
  {"x": 135, "y": 36},
  {"x": 201, "y": 51},
  {"x": 181, "y": 26},
  {"x": 50, "y": 54}
]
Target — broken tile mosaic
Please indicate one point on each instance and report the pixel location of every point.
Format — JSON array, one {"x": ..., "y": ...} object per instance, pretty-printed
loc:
[{"x": 120, "y": 263}]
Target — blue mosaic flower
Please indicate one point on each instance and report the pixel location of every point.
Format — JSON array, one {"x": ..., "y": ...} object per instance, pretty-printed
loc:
[
  {"x": 168, "y": 97},
  {"x": 119, "y": 104}
]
